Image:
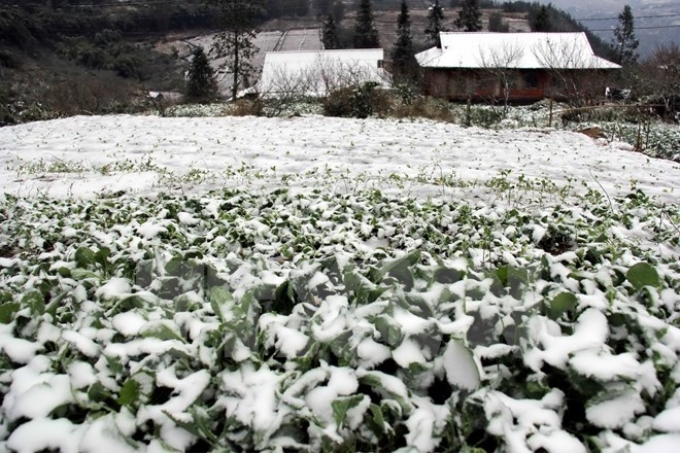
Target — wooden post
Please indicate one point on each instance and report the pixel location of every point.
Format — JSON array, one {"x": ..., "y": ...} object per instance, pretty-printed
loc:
[{"x": 551, "y": 113}]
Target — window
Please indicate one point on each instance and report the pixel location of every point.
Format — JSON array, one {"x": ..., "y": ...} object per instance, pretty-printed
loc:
[{"x": 530, "y": 80}]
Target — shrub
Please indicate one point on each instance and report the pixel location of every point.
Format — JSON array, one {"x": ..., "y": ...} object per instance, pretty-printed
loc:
[
  {"x": 247, "y": 107},
  {"x": 91, "y": 95},
  {"x": 357, "y": 101}
]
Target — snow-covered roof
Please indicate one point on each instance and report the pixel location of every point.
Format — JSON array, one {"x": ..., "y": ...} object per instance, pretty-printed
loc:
[
  {"x": 314, "y": 73},
  {"x": 513, "y": 50}
]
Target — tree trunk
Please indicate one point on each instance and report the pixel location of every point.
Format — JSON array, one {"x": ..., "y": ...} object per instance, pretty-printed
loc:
[{"x": 234, "y": 87}]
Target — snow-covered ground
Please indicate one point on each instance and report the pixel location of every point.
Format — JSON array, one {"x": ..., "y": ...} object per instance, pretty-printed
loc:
[
  {"x": 361, "y": 316},
  {"x": 86, "y": 156}
]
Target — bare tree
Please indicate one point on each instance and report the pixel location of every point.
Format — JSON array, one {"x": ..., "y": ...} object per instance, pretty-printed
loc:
[
  {"x": 575, "y": 74},
  {"x": 500, "y": 63}
]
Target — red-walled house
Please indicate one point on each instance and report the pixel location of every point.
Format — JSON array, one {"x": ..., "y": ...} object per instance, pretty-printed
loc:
[{"x": 513, "y": 67}]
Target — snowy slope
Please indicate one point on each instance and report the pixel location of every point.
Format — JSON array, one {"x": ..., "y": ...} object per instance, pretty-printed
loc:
[
  {"x": 85, "y": 156},
  {"x": 512, "y": 314}
]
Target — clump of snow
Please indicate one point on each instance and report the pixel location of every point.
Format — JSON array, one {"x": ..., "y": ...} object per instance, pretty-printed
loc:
[
  {"x": 44, "y": 434},
  {"x": 615, "y": 412},
  {"x": 128, "y": 323},
  {"x": 591, "y": 331},
  {"x": 668, "y": 420},
  {"x": 113, "y": 289},
  {"x": 461, "y": 368}
]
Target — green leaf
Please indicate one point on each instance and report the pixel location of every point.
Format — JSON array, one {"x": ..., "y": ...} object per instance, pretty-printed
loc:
[
  {"x": 643, "y": 274},
  {"x": 389, "y": 333},
  {"x": 98, "y": 393},
  {"x": 219, "y": 297},
  {"x": 129, "y": 394},
  {"x": 85, "y": 257},
  {"x": 82, "y": 274},
  {"x": 54, "y": 304},
  {"x": 561, "y": 304},
  {"x": 35, "y": 301},
  {"x": 447, "y": 275},
  {"x": 102, "y": 255},
  {"x": 284, "y": 299},
  {"x": 7, "y": 312},
  {"x": 342, "y": 405},
  {"x": 162, "y": 332},
  {"x": 377, "y": 417}
]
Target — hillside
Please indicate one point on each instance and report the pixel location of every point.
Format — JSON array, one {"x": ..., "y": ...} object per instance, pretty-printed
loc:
[
  {"x": 657, "y": 21},
  {"x": 75, "y": 58}
]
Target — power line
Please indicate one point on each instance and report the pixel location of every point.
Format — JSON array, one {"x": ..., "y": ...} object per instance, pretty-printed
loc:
[
  {"x": 643, "y": 28},
  {"x": 657, "y": 16}
]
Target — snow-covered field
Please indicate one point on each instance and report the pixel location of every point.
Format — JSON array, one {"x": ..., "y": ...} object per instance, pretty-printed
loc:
[
  {"x": 85, "y": 156},
  {"x": 317, "y": 284}
]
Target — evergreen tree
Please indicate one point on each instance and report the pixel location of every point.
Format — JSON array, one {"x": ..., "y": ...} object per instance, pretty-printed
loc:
[
  {"x": 405, "y": 66},
  {"x": 496, "y": 23},
  {"x": 238, "y": 19},
  {"x": 435, "y": 25},
  {"x": 625, "y": 42},
  {"x": 201, "y": 85},
  {"x": 330, "y": 34},
  {"x": 324, "y": 7},
  {"x": 338, "y": 11},
  {"x": 365, "y": 33},
  {"x": 541, "y": 22},
  {"x": 470, "y": 17}
]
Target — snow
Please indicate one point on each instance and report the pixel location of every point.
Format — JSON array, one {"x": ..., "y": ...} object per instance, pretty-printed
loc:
[
  {"x": 668, "y": 420},
  {"x": 103, "y": 435},
  {"x": 556, "y": 441},
  {"x": 40, "y": 399},
  {"x": 590, "y": 332},
  {"x": 513, "y": 50},
  {"x": 461, "y": 369},
  {"x": 82, "y": 343},
  {"x": 113, "y": 289},
  {"x": 408, "y": 352},
  {"x": 667, "y": 443},
  {"x": 272, "y": 152},
  {"x": 290, "y": 341},
  {"x": 606, "y": 367},
  {"x": 82, "y": 375},
  {"x": 617, "y": 411},
  {"x": 372, "y": 353},
  {"x": 421, "y": 428},
  {"x": 44, "y": 434},
  {"x": 17, "y": 349},
  {"x": 128, "y": 323},
  {"x": 261, "y": 392}
]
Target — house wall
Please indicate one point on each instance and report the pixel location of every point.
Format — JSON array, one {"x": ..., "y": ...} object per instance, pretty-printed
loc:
[{"x": 487, "y": 84}]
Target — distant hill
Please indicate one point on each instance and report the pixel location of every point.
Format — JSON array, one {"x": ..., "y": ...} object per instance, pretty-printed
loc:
[
  {"x": 657, "y": 22},
  {"x": 74, "y": 56}
]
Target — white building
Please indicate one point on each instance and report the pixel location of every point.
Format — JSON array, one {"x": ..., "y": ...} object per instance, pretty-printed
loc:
[{"x": 316, "y": 73}]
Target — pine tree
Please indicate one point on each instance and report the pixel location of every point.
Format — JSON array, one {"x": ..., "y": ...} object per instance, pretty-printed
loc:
[
  {"x": 405, "y": 66},
  {"x": 435, "y": 25},
  {"x": 330, "y": 34},
  {"x": 324, "y": 7},
  {"x": 470, "y": 17},
  {"x": 496, "y": 23},
  {"x": 625, "y": 41},
  {"x": 541, "y": 22},
  {"x": 365, "y": 33},
  {"x": 201, "y": 85},
  {"x": 238, "y": 19}
]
